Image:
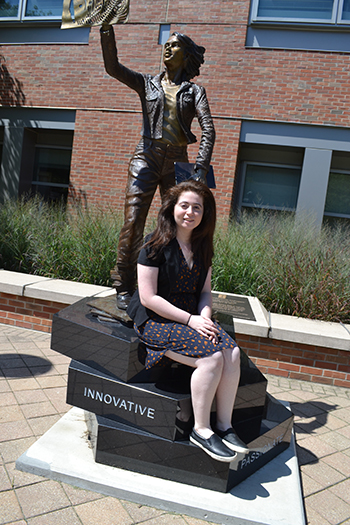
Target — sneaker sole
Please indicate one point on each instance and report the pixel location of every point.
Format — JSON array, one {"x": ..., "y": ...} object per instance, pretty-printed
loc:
[
  {"x": 235, "y": 448},
  {"x": 223, "y": 459}
]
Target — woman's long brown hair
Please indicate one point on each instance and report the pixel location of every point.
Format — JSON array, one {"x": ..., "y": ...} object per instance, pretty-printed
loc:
[{"x": 202, "y": 236}]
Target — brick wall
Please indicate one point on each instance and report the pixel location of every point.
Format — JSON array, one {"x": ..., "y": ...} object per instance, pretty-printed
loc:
[
  {"x": 296, "y": 361},
  {"x": 288, "y": 86},
  {"x": 26, "y": 312}
]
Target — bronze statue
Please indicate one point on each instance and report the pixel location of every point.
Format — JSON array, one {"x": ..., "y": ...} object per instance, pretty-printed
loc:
[{"x": 169, "y": 103}]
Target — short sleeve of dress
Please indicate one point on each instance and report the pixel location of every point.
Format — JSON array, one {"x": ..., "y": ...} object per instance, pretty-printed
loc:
[{"x": 145, "y": 260}]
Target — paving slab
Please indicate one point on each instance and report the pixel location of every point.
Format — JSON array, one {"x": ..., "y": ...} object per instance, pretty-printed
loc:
[{"x": 271, "y": 496}]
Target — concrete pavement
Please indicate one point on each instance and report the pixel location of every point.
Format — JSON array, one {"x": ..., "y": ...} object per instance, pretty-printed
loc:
[{"x": 32, "y": 398}]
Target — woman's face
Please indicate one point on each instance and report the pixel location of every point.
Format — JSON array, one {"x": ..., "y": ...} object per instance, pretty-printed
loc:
[
  {"x": 173, "y": 55},
  {"x": 188, "y": 211}
]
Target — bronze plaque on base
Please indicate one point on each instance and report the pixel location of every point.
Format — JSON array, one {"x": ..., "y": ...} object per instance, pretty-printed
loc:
[{"x": 238, "y": 307}]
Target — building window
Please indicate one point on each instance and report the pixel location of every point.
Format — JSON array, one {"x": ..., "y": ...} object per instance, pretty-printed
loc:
[
  {"x": 270, "y": 186},
  {"x": 345, "y": 12},
  {"x": 1, "y": 141},
  {"x": 30, "y": 9},
  {"x": 308, "y": 11},
  {"x": 51, "y": 172},
  {"x": 268, "y": 176},
  {"x": 338, "y": 196},
  {"x": 164, "y": 33},
  {"x": 45, "y": 165}
]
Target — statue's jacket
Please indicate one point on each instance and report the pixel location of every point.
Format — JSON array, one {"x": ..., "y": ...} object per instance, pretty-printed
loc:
[{"x": 191, "y": 101}]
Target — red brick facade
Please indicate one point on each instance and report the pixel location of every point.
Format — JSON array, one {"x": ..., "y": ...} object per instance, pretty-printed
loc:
[
  {"x": 296, "y": 361},
  {"x": 27, "y": 312},
  {"x": 242, "y": 83}
]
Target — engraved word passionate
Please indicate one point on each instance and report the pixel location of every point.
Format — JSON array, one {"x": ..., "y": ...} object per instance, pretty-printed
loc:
[{"x": 257, "y": 453}]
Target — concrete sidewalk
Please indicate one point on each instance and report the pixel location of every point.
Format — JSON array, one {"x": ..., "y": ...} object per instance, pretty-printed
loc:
[{"x": 32, "y": 398}]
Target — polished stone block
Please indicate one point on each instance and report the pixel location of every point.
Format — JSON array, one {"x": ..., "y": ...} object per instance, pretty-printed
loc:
[
  {"x": 143, "y": 405},
  {"x": 250, "y": 399},
  {"x": 153, "y": 406},
  {"x": 122, "y": 446},
  {"x": 111, "y": 348}
]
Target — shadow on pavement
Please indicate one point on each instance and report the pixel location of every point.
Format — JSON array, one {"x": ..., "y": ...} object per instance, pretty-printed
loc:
[{"x": 23, "y": 365}]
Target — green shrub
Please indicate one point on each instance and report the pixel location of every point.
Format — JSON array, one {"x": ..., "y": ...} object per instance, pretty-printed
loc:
[{"x": 291, "y": 266}]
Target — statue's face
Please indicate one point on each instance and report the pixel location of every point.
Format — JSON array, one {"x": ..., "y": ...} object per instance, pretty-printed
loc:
[{"x": 173, "y": 55}]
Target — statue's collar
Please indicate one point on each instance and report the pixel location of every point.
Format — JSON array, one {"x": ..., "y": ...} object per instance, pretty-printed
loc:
[{"x": 157, "y": 81}]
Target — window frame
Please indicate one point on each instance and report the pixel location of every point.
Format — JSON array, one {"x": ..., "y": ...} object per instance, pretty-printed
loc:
[
  {"x": 52, "y": 184},
  {"x": 335, "y": 214},
  {"x": 340, "y": 12},
  {"x": 334, "y": 21},
  {"x": 1, "y": 142},
  {"x": 242, "y": 205},
  {"x": 21, "y": 16}
]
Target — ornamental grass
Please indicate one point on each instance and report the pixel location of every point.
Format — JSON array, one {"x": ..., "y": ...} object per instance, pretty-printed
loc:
[{"x": 292, "y": 266}]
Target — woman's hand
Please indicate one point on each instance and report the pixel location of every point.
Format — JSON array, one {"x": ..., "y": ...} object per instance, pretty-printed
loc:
[{"x": 204, "y": 326}]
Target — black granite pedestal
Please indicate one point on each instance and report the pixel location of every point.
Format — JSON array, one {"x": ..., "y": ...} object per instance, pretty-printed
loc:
[
  {"x": 142, "y": 405},
  {"x": 108, "y": 347},
  {"x": 131, "y": 412},
  {"x": 123, "y": 446}
]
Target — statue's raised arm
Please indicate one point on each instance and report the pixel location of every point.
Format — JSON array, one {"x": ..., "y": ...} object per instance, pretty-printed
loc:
[{"x": 87, "y": 13}]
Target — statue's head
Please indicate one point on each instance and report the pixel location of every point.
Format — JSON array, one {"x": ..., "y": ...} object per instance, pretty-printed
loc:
[{"x": 191, "y": 54}]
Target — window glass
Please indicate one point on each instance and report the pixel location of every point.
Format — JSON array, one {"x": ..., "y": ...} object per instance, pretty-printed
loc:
[
  {"x": 296, "y": 9},
  {"x": 9, "y": 8},
  {"x": 30, "y": 8},
  {"x": 346, "y": 10},
  {"x": 1, "y": 141},
  {"x": 338, "y": 194},
  {"x": 43, "y": 8},
  {"x": 51, "y": 172},
  {"x": 271, "y": 187}
]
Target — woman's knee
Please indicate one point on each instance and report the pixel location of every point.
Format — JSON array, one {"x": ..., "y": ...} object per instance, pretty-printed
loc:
[
  {"x": 213, "y": 362},
  {"x": 232, "y": 357}
]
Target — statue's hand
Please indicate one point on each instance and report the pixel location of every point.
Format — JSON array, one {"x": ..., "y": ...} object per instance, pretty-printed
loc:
[{"x": 200, "y": 174}]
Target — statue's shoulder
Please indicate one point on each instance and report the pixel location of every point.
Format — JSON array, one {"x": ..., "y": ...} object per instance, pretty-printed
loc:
[
  {"x": 198, "y": 91},
  {"x": 197, "y": 88}
]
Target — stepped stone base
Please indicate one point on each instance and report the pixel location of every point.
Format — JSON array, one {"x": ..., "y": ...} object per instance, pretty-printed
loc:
[{"x": 132, "y": 419}]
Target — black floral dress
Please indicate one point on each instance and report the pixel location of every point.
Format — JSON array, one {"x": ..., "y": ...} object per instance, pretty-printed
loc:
[{"x": 160, "y": 334}]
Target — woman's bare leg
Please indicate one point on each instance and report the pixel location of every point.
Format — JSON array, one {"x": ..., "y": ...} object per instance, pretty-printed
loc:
[
  {"x": 204, "y": 383},
  {"x": 227, "y": 387}
]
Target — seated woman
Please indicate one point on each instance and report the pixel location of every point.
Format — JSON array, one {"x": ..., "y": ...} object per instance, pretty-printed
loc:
[{"x": 172, "y": 313}]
